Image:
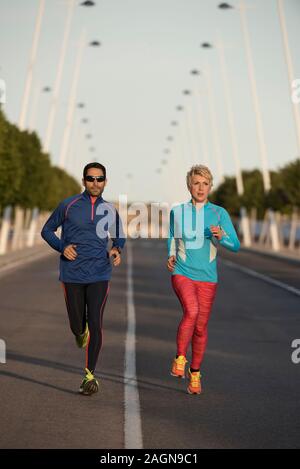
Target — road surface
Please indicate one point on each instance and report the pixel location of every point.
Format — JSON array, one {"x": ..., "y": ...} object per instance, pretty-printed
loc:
[{"x": 250, "y": 384}]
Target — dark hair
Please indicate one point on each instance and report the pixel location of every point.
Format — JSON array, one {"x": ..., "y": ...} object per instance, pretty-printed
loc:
[{"x": 94, "y": 165}]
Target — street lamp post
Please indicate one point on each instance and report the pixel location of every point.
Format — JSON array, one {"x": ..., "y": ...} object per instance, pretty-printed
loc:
[
  {"x": 259, "y": 123},
  {"x": 250, "y": 64},
  {"x": 179, "y": 162},
  {"x": 231, "y": 120},
  {"x": 75, "y": 151},
  {"x": 190, "y": 128},
  {"x": 35, "y": 104},
  {"x": 171, "y": 151},
  {"x": 72, "y": 99},
  {"x": 213, "y": 118},
  {"x": 182, "y": 140},
  {"x": 290, "y": 68},
  {"x": 87, "y": 3},
  {"x": 58, "y": 79},
  {"x": 234, "y": 142},
  {"x": 32, "y": 60},
  {"x": 200, "y": 121}
]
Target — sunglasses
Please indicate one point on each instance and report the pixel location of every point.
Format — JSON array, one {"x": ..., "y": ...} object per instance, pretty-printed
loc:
[{"x": 95, "y": 178}]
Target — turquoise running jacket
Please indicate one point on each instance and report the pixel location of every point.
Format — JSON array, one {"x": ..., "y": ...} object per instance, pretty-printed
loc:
[{"x": 192, "y": 242}]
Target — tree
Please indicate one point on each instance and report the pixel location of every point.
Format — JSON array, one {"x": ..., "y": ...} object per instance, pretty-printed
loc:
[
  {"x": 11, "y": 169},
  {"x": 27, "y": 178},
  {"x": 226, "y": 195}
]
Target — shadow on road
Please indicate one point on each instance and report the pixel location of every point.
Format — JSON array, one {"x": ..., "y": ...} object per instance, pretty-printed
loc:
[
  {"x": 105, "y": 376},
  {"x": 34, "y": 381}
]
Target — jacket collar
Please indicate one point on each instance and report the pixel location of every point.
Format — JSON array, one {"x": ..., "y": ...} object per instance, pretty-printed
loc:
[
  {"x": 190, "y": 202},
  {"x": 86, "y": 195}
]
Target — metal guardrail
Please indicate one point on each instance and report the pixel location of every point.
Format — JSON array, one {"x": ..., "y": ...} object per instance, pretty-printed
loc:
[
  {"x": 20, "y": 228},
  {"x": 275, "y": 233}
]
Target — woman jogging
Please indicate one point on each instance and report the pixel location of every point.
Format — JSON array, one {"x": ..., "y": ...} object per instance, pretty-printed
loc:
[{"x": 196, "y": 229}]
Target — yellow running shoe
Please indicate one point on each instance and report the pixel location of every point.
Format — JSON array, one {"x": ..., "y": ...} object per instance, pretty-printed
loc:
[
  {"x": 194, "y": 386},
  {"x": 178, "y": 366},
  {"x": 82, "y": 339},
  {"x": 89, "y": 384}
]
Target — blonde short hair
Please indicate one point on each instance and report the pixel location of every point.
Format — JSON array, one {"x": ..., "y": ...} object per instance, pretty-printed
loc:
[{"x": 199, "y": 170}]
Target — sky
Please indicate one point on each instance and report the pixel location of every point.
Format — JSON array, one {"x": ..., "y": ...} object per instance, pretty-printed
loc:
[{"x": 132, "y": 84}]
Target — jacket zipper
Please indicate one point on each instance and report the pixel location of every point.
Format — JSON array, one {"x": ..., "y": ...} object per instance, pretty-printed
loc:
[{"x": 93, "y": 203}]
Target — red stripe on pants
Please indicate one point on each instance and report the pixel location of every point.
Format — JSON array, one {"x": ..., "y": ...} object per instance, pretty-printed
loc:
[{"x": 196, "y": 299}]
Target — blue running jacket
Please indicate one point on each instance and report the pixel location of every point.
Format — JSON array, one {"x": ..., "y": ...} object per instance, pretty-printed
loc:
[
  {"x": 88, "y": 225},
  {"x": 192, "y": 243}
]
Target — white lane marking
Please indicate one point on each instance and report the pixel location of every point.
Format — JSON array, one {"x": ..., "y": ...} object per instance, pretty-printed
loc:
[
  {"x": 133, "y": 425},
  {"x": 265, "y": 278},
  {"x": 22, "y": 262}
]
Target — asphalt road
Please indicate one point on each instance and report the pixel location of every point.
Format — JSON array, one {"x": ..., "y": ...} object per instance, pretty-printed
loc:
[{"x": 250, "y": 385}]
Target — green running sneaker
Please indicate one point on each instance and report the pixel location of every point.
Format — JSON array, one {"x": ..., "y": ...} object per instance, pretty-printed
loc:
[
  {"x": 89, "y": 384},
  {"x": 82, "y": 339}
]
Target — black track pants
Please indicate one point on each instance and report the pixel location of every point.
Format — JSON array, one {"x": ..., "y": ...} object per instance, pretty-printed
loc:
[{"x": 85, "y": 303}]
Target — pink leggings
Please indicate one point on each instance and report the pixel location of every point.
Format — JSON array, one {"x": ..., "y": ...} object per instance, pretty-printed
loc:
[{"x": 196, "y": 299}]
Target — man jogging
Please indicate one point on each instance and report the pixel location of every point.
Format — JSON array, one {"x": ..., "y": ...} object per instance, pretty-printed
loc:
[{"x": 85, "y": 264}]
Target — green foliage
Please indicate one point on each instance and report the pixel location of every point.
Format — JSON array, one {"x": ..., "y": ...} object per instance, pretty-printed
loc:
[
  {"x": 27, "y": 178},
  {"x": 284, "y": 195},
  {"x": 62, "y": 185},
  {"x": 226, "y": 196},
  {"x": 11, "y": 169}
]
